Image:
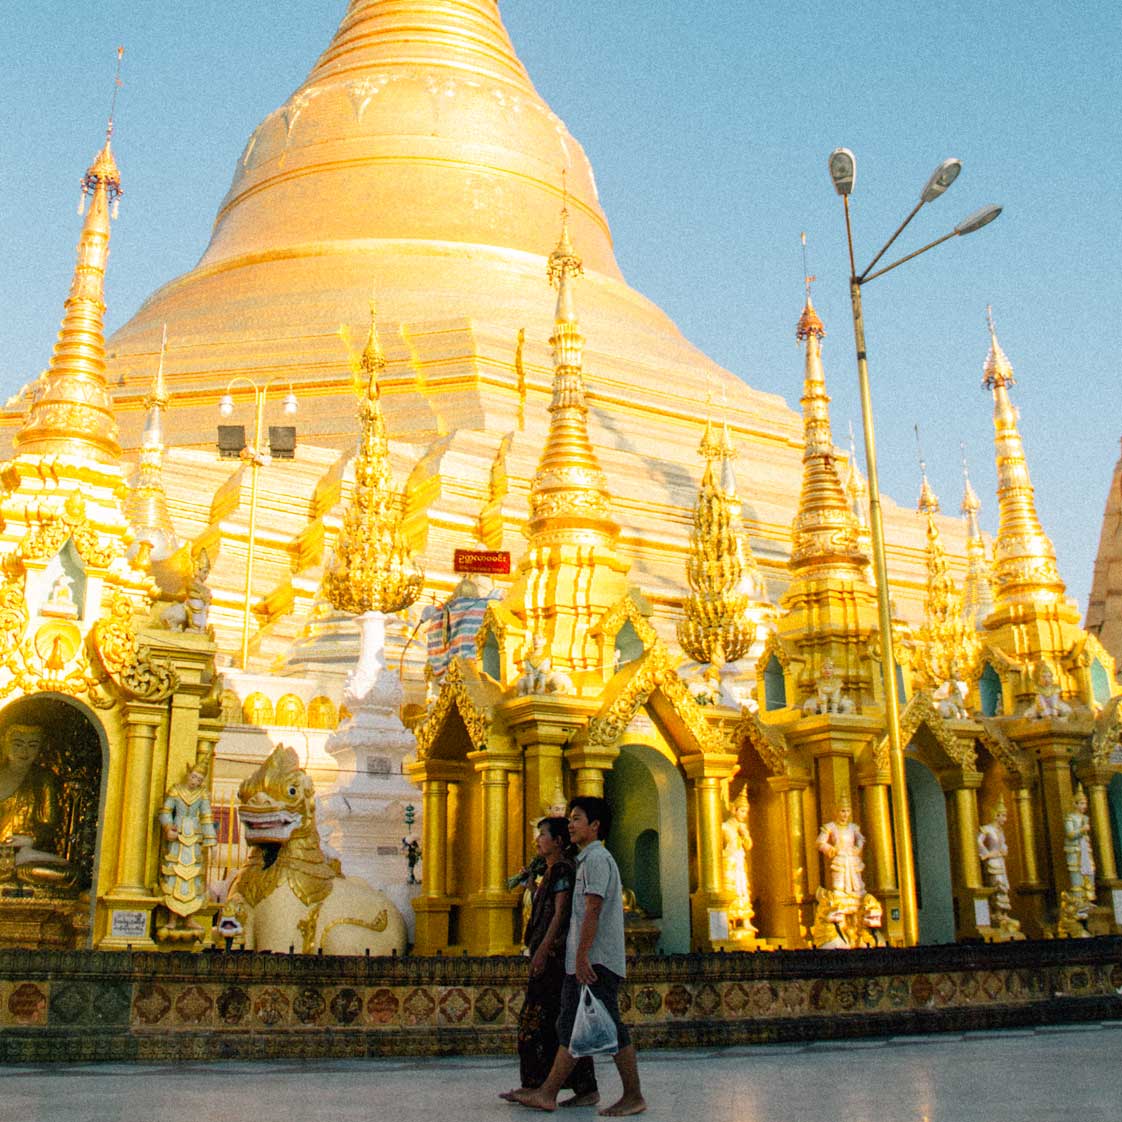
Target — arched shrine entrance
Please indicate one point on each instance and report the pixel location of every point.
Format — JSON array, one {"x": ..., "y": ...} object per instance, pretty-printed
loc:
[{"x": 649, "y": 837}]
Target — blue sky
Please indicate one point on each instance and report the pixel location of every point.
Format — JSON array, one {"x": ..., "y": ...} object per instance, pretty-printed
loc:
[{"x": 708, "y": 129}]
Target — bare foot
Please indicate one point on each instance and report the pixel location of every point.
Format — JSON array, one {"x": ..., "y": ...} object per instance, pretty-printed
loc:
[
  {"x": 625, "y": 1106},
  {"x": 509, "y": 1096},
  {"x": 535, "y": 1100},
  {"x": 589, "y": 1098}
]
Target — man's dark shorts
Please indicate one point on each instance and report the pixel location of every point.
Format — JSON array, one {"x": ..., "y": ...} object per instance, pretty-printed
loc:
[{"x": 606, "y": 988}]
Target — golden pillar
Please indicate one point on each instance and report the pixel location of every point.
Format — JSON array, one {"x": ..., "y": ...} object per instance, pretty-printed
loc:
[
  {"x": 973, "y": 914},
  {"x": 434, "y": 829},
  {"x": 138, "y": 820},
  {"x": 1096, "y": 780},
  {"x": 1031, "y": 890},
  {"x": 493, "y": 908},
  {"x": 130, "y": 904},
  {"x": 543, "y": 724},
  {"x": 963, "y": 805},
  {"x": 588, "y": 763},
  {"x": 877, "y": 820},
  {"x": 435, "y": 908},
  {"x": 797, "y": 907},
  {"x": 706, "y": 775}
]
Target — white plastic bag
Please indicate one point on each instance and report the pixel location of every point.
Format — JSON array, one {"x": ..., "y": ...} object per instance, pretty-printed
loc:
[{"x": 594, "y": 1031}]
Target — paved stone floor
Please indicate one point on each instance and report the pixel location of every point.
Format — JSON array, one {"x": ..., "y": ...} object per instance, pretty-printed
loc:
[{"x": 1047, "y": 1075}]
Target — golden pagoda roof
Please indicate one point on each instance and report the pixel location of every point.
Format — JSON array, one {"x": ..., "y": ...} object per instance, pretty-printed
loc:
[
  {"x": 1024, "y": 560},
  {"x": 569, "y": 495},
  {"x": 824, "y": 531},
  {"x": 71, "y": 410}
]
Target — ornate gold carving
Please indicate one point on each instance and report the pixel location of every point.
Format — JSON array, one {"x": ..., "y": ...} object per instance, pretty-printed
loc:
[
  {"x": 454, "y": 694},
  {"x": 1108, "y": 731},
  {"x": 373, "y": 569},
  {"x": 1004, "y": 750},
  {"x": 131, "y": 666},
  {"x": 51, "y": 527},
  {"x": 652, "y": 672},
  {"x": 626, "y": 611},
  {"x": 946, "y": 642},
  {"x": 768, "y": 740},
  {"x": 722, "y": 574},
  {"x": 921, "y": 710}
]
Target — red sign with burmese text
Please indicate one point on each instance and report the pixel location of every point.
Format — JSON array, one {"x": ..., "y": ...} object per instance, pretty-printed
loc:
[{"x": 481, "y": 561}]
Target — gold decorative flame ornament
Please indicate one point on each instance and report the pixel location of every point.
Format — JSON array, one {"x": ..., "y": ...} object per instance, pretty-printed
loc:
[
  {"x": 723, "y": 578},
  {"x": 373, "y": 569}
]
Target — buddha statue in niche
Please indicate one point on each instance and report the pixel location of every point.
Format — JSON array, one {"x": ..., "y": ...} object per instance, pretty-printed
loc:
[{"x": 31, "y": 810}]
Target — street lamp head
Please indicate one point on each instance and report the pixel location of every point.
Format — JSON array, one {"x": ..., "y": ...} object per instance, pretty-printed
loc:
[
  {"x": 843, "y": 170},
  {"x": 226, "y": 405},
  {"x": 290, "y": 402},
  {"x": 981, "y": 217},
  {"x": 941, "y": 178}
]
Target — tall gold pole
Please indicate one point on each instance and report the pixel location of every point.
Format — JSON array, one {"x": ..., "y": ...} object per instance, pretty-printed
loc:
[
  {"x": 255, "y": 461},
  {"x": 901, "y": 826}
]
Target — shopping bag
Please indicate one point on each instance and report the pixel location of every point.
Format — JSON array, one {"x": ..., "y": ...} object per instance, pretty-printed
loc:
[{"x": 594, "y": 1031}]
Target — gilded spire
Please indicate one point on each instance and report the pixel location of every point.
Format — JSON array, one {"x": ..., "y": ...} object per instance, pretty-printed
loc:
[
  {"x": 977, "y": 593},
  {"x": 146, "y": 505},
  {"x": 941, "y": 639},
  {"x": 569, "y": 493},
  {"x": 1024, "y": 568},
  {"x": 824, "y": 532},
  {"x": 72, "y": 411},
  {"x": 857, "y": 492},
  {"x": 372, "y": 569},
  {"x": 721, "y": 571}
]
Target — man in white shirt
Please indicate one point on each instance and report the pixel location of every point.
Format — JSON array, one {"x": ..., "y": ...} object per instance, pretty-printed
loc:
[{"x": 594, "y": 956}]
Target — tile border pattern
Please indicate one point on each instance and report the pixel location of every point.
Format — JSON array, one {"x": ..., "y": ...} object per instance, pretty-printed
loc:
[{"x": 82, "y": 1006}]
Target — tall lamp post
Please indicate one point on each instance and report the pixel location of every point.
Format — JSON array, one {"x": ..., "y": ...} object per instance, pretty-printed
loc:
[
  {"x": 256, "y": 454},
  {"x": 843, "y": 171}
]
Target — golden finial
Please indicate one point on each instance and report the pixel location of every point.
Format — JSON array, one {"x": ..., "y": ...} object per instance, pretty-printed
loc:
[
  {"x": 569, "y": 492},
  {"x": 563, "y": 261},
  {"x": 942, "y": 640},
  {"x": 72, "y": 413},
  {"x": 998, "y": 370},
  {"x": 146, "y": 504},
  {"x": 928, "y": 501},
  {"x": 1024, "y": 565},
  {"x": 722, "y": 574},
  {"x": 977, "y": 593},
  {"x": 809, "y": 323},
  {"x": 710, "y": 447},
  {"x": 373, "y": 569},
  {"x": 157, "y": 400},
  {"x": 103, "y": 170},
  {"x": 373, "y": 361},
  {"x": 971, "y": 504}
]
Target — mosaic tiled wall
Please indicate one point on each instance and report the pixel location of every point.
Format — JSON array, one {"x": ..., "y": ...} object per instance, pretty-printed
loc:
[{"x": 88, "y": 1006}]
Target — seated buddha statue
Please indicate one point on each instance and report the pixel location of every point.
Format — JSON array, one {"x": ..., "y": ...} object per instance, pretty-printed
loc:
[{"x": 31, "y": 810}]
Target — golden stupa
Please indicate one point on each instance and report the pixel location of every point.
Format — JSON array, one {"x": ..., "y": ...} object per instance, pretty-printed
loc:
[{"x": 418, "y": 157}]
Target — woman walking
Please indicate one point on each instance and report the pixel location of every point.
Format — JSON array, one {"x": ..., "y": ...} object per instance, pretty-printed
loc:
[{"x": 545, "y": 937}]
